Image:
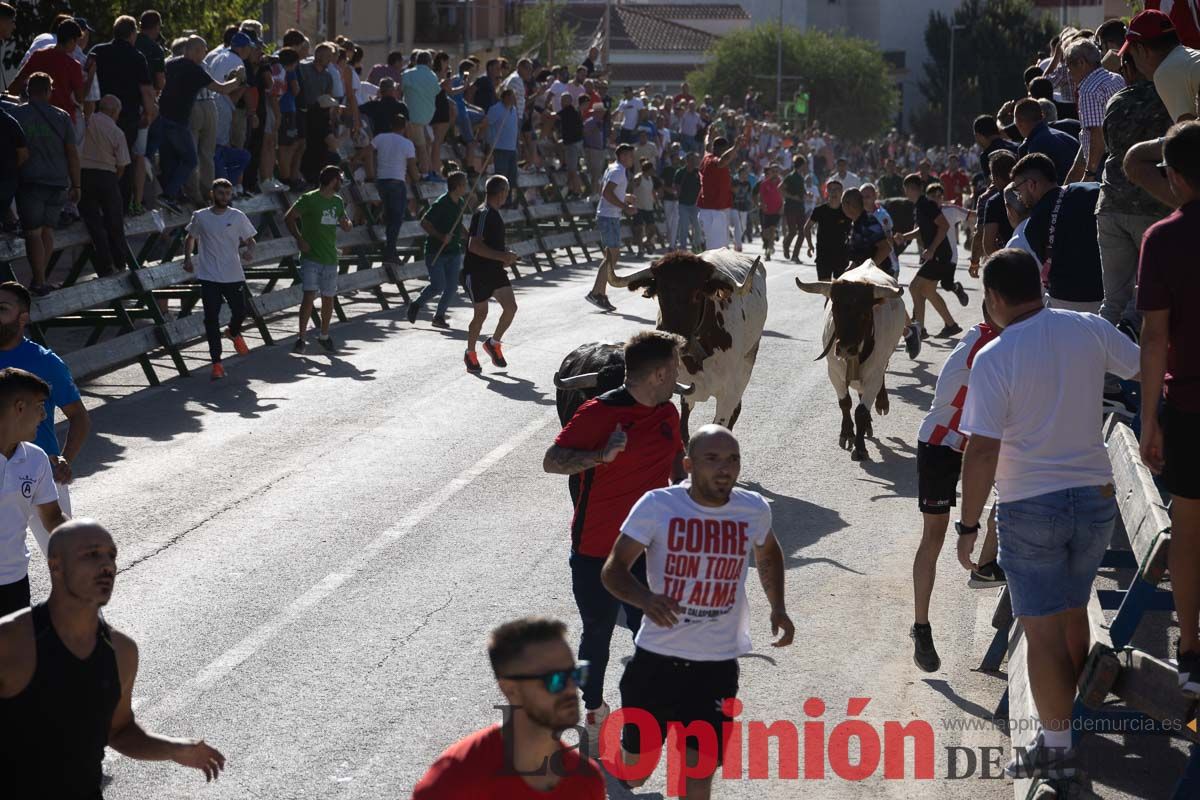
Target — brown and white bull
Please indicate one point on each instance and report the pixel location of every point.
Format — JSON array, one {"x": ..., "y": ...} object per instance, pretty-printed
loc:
[
  {"x": 864, "y": 320},
  {"x": 717, "y": 301}
]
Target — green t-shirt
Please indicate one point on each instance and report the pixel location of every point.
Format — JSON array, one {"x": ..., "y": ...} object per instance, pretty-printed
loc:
[
  {"x": 794, "y": 182},
  {"x": 444, "y": 214},
  {"x": 319, "y": 224}
]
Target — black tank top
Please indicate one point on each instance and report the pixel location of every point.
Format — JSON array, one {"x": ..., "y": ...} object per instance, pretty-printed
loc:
[{"x": 54, "y": 732}]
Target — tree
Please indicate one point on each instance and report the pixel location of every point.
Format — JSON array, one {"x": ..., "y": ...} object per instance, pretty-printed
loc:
[
  {"x": 205, "y": 17},
  {"x": 851, "y": 90},
  {"x": 998, "y": 41},
  {"x": 544, "y": 33}
]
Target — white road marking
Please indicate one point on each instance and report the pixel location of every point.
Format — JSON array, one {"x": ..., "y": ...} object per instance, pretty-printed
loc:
[{"x": 175, "y": 701}]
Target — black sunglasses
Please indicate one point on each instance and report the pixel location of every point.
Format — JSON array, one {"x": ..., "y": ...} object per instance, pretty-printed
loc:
[{"x": 556, "y": 681}]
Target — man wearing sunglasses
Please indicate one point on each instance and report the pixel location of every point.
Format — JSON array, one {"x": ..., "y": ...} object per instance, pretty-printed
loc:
[
  {"x": 523, "y": 757},
  {"x": 697, "y": 539}
]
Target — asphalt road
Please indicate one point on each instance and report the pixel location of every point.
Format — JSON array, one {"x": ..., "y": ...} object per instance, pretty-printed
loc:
[{"x": 314, "y": 550}]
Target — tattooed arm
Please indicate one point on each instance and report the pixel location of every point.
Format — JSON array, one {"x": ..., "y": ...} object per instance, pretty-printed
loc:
[
  {"x": 769, "y": 558},
  {"x": 565, "y": 461}
]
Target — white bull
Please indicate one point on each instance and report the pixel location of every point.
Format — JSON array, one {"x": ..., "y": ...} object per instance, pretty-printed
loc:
[{"x": 864, "y": 320}]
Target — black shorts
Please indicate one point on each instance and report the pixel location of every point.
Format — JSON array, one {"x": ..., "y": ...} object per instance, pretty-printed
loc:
[
  {"x": 795, "y": 215},
  {"x": 481, "y": 284},
  {"x": 940, "y": 271},
  {"x": 1181, "y": 452},
  {"x": 14, "y": 596},
  {"x": 827, "y": 271},
  {"x": 677, "y": 690},
  {"x": 288, "y": 132},
  {"x": 441, "y": 109},
  {"x": 643, "y": 217},
  {"x": 770, "y": 220},
  {"x": 938, "y": 468}
]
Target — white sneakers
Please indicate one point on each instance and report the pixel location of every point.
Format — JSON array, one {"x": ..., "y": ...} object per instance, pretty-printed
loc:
[{"x": 594, "y": 718}]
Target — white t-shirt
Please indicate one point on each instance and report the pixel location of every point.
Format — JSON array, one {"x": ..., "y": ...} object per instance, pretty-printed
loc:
[
  {"x": 617, "y": 176},
  {"x": 955, "y": 215},
  {"x": 1037, "y": 389},
  {"x": 699, "y": 556},
  {"x": 27, "y": 481},
  {"x": 218, "y": 237},
  {"x": 885, "y": 219},
  {"x": 219, "y": 63},
  {"x": 1177, "y": 80},
  {"x": 1019, "y": 241},
  {"x": 557, "y": 90},
  {"x": 392, "y": 152},
  {"x": 849, "y": 180},
  {"x": 629, "y": 110}
]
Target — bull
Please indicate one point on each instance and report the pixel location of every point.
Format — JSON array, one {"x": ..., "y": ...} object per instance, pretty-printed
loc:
[
  {"x": 716, "y": 301},
  {"x": 864, "y": 320}
]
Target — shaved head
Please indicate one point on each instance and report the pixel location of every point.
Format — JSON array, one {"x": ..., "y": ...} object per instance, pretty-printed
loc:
[
  {"x": 83, "y": 564},
  {"x": 83, "y": 531},
  {"x": 710, "y": 437}
]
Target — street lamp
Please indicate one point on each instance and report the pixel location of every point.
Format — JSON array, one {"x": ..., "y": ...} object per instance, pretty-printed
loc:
[{"x": 950, "y": 88}]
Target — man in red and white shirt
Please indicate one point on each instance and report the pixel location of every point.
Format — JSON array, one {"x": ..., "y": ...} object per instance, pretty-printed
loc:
[
  {"x": 621, "y": 444},
  {"x": 1095, "y": 86},
  {"x": 940, "y": 447},
  {"x": 715, "y": 203},
  {"x": 522, "y": 759}
]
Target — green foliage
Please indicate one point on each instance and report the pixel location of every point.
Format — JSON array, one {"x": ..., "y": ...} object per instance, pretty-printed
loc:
[
  {"x": 205, "y": 17},
  {"x": 852, "y": 91},
  {"x": 545, "y": 33},
  {"x": 1001, "y": 38}
]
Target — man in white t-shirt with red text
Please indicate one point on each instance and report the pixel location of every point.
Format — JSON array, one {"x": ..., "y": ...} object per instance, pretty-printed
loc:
[
  {"x": 1034, "y": 417},
  {"x": 697, "y": 538}
]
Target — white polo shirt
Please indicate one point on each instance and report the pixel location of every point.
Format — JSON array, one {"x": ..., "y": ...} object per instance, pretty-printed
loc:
[{"x": 26, "y": 480}]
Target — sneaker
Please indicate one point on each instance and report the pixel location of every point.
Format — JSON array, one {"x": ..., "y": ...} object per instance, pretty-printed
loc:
[
  {"x": 912, "y": 340},
  {"x": 326, "y": 342},
  {"x": 495, "y": 352},
  {"x": 413, "y": 311},
  {"x": 987, "y": 576},
  {"x": 440, "y": 322},
  {"x": 300, "y": 346},
  {"x": 924, "y": 332},
  {"x": 606, "y": 304},
  {"x": 1189, "y": 673},
  {"x": 41, "y": 289},
  {"x": 472, "y": 362},
  {"x": 218, "y": 371},
  {"x": 1039, "y": 761},
  {"x": 950, "y": 330},
  {"x": 594, "y": 719},
  {"x": 924, "y": 653},
  {"x": 170, "y": 204},
  {"x": 239, "y": 343},
  {"x": 598, "y": 300},
  {"x": 961, "y": 294},
  {"x": 271, "y": 185}
]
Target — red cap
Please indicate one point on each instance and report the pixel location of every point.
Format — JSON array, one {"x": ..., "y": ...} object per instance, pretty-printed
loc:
[{"x": 1147, "y": 26}]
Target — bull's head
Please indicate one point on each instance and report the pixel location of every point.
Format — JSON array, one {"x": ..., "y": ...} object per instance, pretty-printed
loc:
[
  {"x": 685, "y": 284},
  {"x": 853, "y": 312}
]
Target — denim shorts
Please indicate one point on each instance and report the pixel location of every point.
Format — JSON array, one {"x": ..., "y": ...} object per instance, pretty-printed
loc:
[
  {"x": 610, "y": 232},
  {"x": 320, "y": 278},
  {"x": 1051, "y": 546}
]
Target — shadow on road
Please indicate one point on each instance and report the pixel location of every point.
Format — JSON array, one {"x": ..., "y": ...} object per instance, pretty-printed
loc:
[
  {"x": 799, "y": 524},
  {"x": 944, "y": 689},
  {"x": 516, "y": 389}
]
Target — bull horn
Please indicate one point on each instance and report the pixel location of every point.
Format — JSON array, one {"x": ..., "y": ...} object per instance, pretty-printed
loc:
[
  {"x": 816, "y": 287},
  {"x": 888, "y": 292},
  {"x": 622, "y": 282},
  {"x": 825, "y": 352},
  {"x": 746, "y": 284},
  {"x": 685, "y": 388},
  {"x": 587, "y": 380}
]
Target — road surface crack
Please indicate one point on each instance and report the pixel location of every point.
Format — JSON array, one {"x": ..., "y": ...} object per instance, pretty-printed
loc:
[{"x": 406, "y": 638}]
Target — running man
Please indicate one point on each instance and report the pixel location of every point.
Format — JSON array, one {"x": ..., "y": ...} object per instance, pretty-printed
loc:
[
  {"x": 622, "y": 444},
  {"x": 313, "y": 221},
  {"x": 695, "y": 626},
  {"x": 485, "y": 275},
  {"x": 937, "y": 263},
  {"x": 615, "y": 201},
  {"x": 27, "y": 485},
  {"x": 940, "y": 447},
  {"x": 769, "y": 198},
  {"x": 799, "y": 192},
  {"x": 221, "y": 231},
  {"x": 66, "y": 681},
  {"x": 540, "y": 680},
  {"x": 443, "y": 248},
  {"x": 833, "y": 231}
]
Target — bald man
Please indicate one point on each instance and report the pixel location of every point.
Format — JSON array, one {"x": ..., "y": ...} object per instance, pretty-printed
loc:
[
  {"x": 697, "y": 537},
  {"x": 66, "y": 681},
  {"x": 102, "y": 161}
]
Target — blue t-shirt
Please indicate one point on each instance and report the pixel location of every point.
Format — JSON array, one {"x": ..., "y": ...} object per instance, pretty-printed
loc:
[
  {"x": 421, "y": 87},
  {"x": 32, "y": 357},
  {"x": 503, "y": 127}
]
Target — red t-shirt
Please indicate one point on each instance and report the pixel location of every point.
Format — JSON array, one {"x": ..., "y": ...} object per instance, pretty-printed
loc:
[
  {"x": 63, "y": 70},
  {"x": 955, "y": 183},
  {"x": 608, "y": 491},
  {"x": 716, "y": 186},
  {"x": 1169, "y": 281},
  {"x": 471, "y": 769}
]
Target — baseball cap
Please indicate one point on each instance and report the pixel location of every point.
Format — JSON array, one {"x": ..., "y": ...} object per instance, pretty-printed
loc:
[
  {"x": 83, "y": 25},
  {"x": 1147, "y": 26},
  {"x": 240, "y": 39}
]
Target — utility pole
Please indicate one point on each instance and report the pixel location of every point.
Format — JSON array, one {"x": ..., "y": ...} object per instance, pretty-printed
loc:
[
  {"x": 549, "y": 33},
  {"x": 950, "y": 88},
  {"x": 607, "y": 35},
  {"x": 779, "y": 63}
]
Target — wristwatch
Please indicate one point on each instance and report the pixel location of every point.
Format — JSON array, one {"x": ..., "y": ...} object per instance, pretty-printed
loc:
[{"x": 966, "y": 530}]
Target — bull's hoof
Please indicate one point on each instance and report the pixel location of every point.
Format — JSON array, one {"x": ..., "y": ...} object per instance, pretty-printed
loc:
[
  {"x": 846, "y": 442},
  {"x": 869, "y": 432},
  {"x": 859, "y": 455}
]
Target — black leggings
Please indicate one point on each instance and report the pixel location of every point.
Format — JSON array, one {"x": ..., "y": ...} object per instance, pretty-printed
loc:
[{"x": 212, "y": 295}]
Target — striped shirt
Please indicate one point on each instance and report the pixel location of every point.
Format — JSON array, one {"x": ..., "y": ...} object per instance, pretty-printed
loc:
[
  {"x": 1094, "y": 93},
  {"x": 940, "y": 426}
]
